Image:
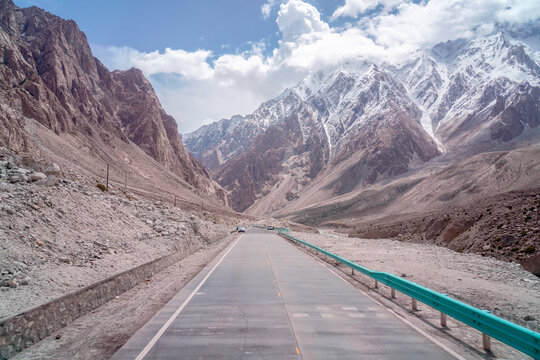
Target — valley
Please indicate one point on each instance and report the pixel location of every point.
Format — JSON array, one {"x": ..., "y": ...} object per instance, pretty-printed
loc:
[{"x": 118, "y": 226}]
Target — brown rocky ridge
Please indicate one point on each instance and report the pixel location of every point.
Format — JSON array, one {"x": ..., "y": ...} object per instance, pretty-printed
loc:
[{"x": 57, "y": 99}]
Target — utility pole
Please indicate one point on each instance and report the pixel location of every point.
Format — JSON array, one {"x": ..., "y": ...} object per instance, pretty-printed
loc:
[{"x": 107, "y": 184}]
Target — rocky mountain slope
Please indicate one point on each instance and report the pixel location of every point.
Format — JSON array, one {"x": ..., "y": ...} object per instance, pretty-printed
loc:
[
  {"x": 365, "y": 123},
  {"x": 64, "y": 233},
  {"x": 51, "y": 83}
]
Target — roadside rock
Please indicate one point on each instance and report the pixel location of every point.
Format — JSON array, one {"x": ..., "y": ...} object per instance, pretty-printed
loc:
[
  {"x": 507, "y": 240},
  {"x": 52, "y": 169},
  {"x": 17, "y": 177},
  {"x": 48, "y": 181},
  {"x": 37, "y": 176},
  {"x": 532, "y": 264}
]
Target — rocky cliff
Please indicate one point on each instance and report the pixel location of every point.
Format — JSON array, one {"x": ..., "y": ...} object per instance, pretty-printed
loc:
[{"x": 49, "y": 75}]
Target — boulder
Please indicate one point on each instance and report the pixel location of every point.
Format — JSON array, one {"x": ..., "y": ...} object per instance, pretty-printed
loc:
[
  {"x": 37, "y": 176},
  {"x": 22, "y": 171},
  {"x": 507, "y": 240},
  {"x": 16, "y": 177},
  {"x": 52, "y": 169},
  {"x": 532, "y": 264},
  {"x": 48, "y": 181}
]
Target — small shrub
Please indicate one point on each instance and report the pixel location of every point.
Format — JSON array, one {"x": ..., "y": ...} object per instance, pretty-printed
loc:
[
  {"x": 523, "y": 232},
  {"x": 101, "y": 187},
  {"x": 529, "y": 249},
  {"x": 529, "y": 217},
  {"x": 499, "y": 247},
  {"x": 500, "y": 226},
  {"x": 460, "y": 250},
  {"x": 514, "y": 249}
]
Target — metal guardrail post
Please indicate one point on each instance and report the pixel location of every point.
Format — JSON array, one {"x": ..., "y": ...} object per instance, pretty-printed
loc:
[
  {"x": 414, "y": 305},
  {"x": 486, "y": 342},
  {"x": 443, "y": 319},
  {"x": 376, "y": 284},
  {"x": 392, "y": 293}
]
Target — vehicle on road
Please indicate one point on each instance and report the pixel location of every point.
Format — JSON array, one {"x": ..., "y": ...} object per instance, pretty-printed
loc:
[
  {"x": 240, "y": 229},
  {"x": 269, "y": 227}
]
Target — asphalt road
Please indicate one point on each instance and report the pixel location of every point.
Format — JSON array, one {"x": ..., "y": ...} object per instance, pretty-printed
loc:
[{"x": 266, "y": 299}]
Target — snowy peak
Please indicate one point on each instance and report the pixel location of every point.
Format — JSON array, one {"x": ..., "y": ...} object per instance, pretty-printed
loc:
[{"x": 310, "y": 85}]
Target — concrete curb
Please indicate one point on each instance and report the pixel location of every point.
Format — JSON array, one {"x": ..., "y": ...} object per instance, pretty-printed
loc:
[{"x": 23, "y": 330}]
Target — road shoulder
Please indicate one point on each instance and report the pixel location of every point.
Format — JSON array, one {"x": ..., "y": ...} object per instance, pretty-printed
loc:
[{"x": 99, "y": 334}]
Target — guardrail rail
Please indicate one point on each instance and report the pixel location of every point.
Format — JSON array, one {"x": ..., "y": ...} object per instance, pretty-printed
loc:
[{"x": 516, "y": 336}]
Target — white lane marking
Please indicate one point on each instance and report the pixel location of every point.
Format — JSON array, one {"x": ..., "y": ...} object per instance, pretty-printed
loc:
[
  {"x": 323, "y": 308},
  {"x": 152, "y": 342},
  {"x": 356, "y": 315},
  {"x": 350, "y": 308},
  {"x": 328, "y": 315},
  {"x": 300, "y": 315},
  {"x": 429, "y": 337}
]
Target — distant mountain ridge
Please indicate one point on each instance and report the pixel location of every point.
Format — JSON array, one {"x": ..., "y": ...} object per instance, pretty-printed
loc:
[
  {"x": 360, "y": 125},
  {"x": 48, "y": 74}
]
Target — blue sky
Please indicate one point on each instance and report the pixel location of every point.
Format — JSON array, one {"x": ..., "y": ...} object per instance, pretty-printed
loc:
[
  {"x": 220, "y": 26},
  {"x": 211, "y": 59}
]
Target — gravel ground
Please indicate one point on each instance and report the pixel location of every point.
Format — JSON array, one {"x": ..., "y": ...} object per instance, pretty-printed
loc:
[
  {"x": 505, "y": 289},
  {"x": 65, "y": 233}
]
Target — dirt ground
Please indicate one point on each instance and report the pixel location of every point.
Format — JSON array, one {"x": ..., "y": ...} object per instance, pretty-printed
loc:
[
  {"x": 503, "y": 288},
  {"x": 99, "y": 334}
]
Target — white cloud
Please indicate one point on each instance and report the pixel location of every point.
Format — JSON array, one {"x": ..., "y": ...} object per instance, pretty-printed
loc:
[
  {"x": 296, "y": 18},
  {"x": 197, "y": 86},
  {"x": 192, "y": 65},
  {"x": 424, "y": 24},
  {"x": 517, "y": 11},
  {"x": 353, "y": 8},
  {"x": 266, "y": 8}
]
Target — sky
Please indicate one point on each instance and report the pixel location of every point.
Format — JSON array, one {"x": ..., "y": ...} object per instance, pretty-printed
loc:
[{"x": 211, "y": 59}]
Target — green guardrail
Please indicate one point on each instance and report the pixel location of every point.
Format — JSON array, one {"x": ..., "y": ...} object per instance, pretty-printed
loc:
[{"x": 516, "y": 336}]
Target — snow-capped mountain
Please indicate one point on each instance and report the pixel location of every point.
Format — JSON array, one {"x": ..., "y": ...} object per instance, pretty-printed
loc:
[
  {"x": 458, "y": 84},
  {"x": 349, "y": 128}
]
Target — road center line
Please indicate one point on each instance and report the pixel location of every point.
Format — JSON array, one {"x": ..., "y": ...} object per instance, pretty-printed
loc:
[
  {"x": 284, "y": 305},
  {"x": 156, "y": 337}
]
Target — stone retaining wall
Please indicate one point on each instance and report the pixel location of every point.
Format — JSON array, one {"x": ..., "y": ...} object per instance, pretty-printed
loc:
[{"x": 27, "y": 328}]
